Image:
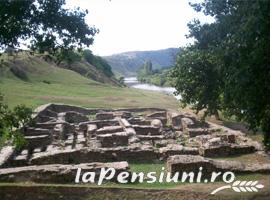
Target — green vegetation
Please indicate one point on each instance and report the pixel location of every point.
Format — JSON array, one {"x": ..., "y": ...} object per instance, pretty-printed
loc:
[
  {"x": 198, "y": 81},
  {"x": 84, "y": 63},
  {"x": 50, "y": 83},
  {"x": 228, "y": 67},
  {"x": 161, "y": 77},
  {"x": 11, "y": 120},
  {"x": 98, "y": 62},
  {"x": 150, "y": 167},
  {"x": 128, "y": 63},
  {"x": 47, "y": 24}
]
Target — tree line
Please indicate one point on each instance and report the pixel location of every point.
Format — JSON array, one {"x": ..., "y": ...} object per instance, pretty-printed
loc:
[
  {"x": 228, "y": 67},
  {"x": 41, "y": 26},
  {"x": 159, "y": 77}
]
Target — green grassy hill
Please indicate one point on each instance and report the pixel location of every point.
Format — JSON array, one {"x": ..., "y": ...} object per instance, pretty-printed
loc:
[{"x": 33, "y": 81}]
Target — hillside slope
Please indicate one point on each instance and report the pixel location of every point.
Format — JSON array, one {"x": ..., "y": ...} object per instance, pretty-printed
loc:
[
  {"x": 89, "y": 71},
  {"x": 33, "y": 81},
  {"x": 128, "y": 63}
]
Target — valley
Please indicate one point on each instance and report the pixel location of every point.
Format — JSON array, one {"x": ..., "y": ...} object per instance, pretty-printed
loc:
[{"x": 50, "y": 83}]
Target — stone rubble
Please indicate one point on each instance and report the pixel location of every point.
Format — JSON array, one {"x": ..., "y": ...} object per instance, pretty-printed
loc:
[{"x": 69, "y": 135}]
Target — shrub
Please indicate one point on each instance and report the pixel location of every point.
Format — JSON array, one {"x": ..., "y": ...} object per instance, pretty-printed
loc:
[
  {"x": 19, "y": 73},
  {"x": 11, "y": 120},
  {"x": 47, "y": 82}
]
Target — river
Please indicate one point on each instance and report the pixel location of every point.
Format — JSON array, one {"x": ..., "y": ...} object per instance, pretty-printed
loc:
[{"x": 134, "y": 83}]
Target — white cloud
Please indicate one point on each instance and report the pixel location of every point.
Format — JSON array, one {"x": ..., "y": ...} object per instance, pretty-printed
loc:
[{"x": 127, "y": 25}]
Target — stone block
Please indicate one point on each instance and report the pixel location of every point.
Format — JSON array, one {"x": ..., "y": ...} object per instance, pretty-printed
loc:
[
  {"x": 57, "y": 173},
  {"x": 37, "y": 141},
  {"x": 146, "y": 130},
  {"x": 31, "y": 131},
  {"x": 75, "y": 117},
  {"x": 197, "y": 131},
  {"x": 109, "y": 129},
  {"x": 104, "y": 116},
  {"x": 157, "y": 114}
]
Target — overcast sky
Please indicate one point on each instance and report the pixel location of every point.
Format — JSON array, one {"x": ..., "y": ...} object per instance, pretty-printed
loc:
[{"x": 128, "y": 25}]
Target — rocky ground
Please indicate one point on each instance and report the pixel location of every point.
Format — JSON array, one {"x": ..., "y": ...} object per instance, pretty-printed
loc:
[{"x": 65, "y": 137}]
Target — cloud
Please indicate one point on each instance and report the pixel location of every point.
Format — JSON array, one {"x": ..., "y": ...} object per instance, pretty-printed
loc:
[{"x": 127, "y": 25}]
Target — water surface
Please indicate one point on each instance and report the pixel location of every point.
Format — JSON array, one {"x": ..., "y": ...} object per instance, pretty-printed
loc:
[{"x": 134, "y": 83}]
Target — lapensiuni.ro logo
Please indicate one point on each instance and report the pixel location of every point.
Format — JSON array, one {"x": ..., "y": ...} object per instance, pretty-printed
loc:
[{"x": 108, "y": 174}]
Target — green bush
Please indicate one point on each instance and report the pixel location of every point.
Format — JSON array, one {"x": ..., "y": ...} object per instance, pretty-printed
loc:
[
  {"x": 98, "y": 62},
  {"x": 47, "y": 82},
  {"x": 11, "y": 121},
  {"x": 19, "y": 73}
]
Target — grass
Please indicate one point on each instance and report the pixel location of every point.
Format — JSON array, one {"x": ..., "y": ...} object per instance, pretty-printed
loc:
[
  {"x": 150, "y": 167},
  {"x": 68, "y": 87},
  {"x": 47, "y": 83}
]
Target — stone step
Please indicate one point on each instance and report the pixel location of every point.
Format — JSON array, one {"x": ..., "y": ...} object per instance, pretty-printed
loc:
[{"x": 31, "y": 131}]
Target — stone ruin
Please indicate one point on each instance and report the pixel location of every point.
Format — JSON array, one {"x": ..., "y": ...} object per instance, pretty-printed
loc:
[{"x": 65, "y": 136}]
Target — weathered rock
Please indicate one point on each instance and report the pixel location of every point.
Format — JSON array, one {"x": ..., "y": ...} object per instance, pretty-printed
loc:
[
  {"x": 225, "y": 150},
  {"x": 120, "y": 139},
  {"x": 47, "y": 125},
  {"x": 122, "y": 114},
  {"x": 172, "y": 149},
  {"x": 175, "y": 119},
  {"x": 106, "y": 140},
  {"x": 61, "y": 131},
  {"x": 57, "y": 173},
  {"x": 157, "y": 124},
  {"x": 157, "y": 114},
  {"x": 113, "y": 140},
  {"x": 231, "y": 138},
  {"x": 177, "y": 149},
  {"x": 215, "y": 141},
  {"x": 146, "y": 130},
  {"x": 31, "y": 131},
  {"x": 187, "y": 122},
  {"x": 150, "y": 137},
  {"x": 133, "y": 139},
  {"x": 37, "y": 141},
  {"x": 119, "y": 136},
  {"x": 124, "y": 123},
  {"x": 75, "y": 117},
  {"x": 85, "y": 155},
  {"x": 99, "y": 123},
  {"x": 191, "y": 151},
  {"x": 20, "y": 160},
  {"x": 104, "y": 116},
  {"x": 189, "y": 163},
  {"x": 198, "y": 131},
  {"x": 130, "y": 131},
  {"x": 161, "y": 143},
  {"x": 91, "y": 129},
  {"x": 6, "y": 153},
  {"x": 139, "y": 121},
  {"x": 109, "y": 129}
]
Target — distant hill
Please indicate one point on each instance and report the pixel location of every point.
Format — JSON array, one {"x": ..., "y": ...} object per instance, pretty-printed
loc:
[{"x": 128, "y": 63}]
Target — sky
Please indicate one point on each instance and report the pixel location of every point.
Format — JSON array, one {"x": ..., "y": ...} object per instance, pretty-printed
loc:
[{"x": 138, "y": 25}]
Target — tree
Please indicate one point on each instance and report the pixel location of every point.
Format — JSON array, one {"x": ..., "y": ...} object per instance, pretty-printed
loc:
[
  {"x": 45, "y": 23},
  {"x": 148, "y": 67},
  {"x": 145, "y": 71},
  {"x": 239, "y": 41},
  {"x": 100, "y": 63},
  {"x": 198, "y": 81},
  {"x": 11, "y": 121}
]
